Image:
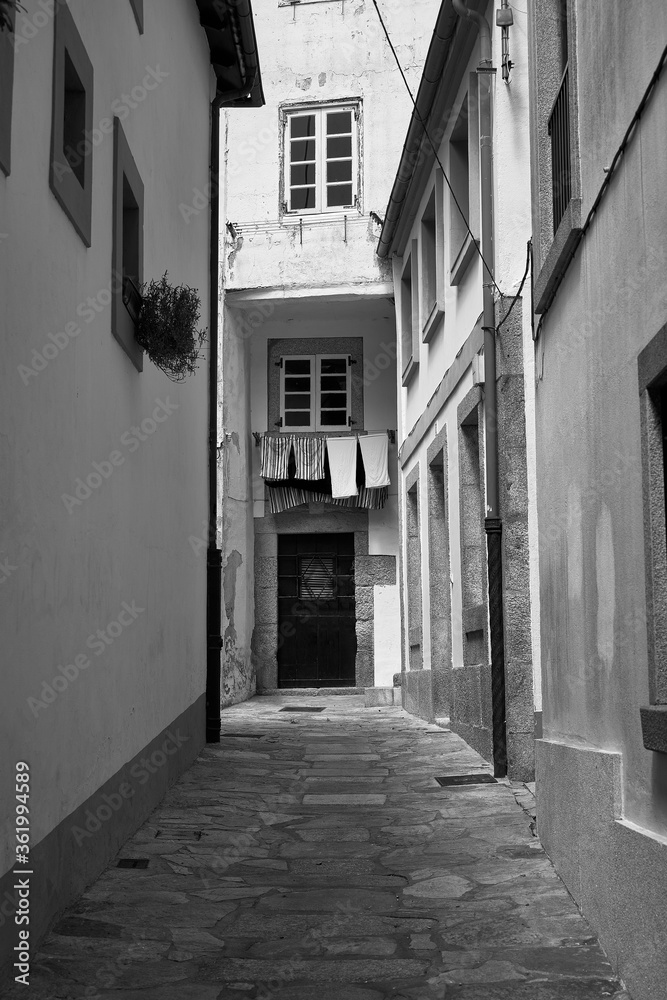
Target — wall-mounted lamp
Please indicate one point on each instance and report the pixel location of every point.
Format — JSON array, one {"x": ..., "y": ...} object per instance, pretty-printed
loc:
[{"x": 504, "y": 19}]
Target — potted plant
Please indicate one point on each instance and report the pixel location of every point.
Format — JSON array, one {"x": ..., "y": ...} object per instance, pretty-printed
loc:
[
  {"x": 6, "y": 8},
  {"x": 167, "y": 327}
]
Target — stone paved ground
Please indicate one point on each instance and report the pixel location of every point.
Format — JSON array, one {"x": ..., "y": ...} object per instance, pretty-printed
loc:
[{"x": 314, "y": 857}]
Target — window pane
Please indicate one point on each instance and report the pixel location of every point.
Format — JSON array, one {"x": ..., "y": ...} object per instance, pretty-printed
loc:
[
  {"x": 302, "y": 125},
  {"x": 331, "y": 366},
  {"x": 339, "y": 170},
  {"x": 303, "y": 150},
  {"x": 334, "y": 399},
  {"x": 339, "y": 121},
  {"x": 297, "y": 366},
  {"x": 297, "y": 418},
  {"x": 318, "y": 580},
  {"x": 297, "y": 400},
  {"x": 334, "y": 418},
  {"x": 339, "y": 195},
  {"x": 297, "y": 385},
  {"x": 302, "y": 198},
  {"x": 305, "y": 174},
  {"x": 337, "y": 148},
  {"x": 333, "y": 383}
]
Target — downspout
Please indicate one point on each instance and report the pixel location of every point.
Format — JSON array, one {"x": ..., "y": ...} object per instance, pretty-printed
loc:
[
  {"x": 492, "y": 520},
  {"x": 247, "y": 59},
  {"x": 213, "y": 553}
]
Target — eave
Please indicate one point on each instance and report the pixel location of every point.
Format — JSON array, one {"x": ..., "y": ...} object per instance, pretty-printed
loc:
[
  {"x": 230, "y": 32},
  {"x": 451, "y": 47}
]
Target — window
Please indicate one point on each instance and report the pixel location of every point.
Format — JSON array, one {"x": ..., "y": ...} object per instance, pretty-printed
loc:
[
  {"x": 315, "y": 392},
  {"x": 6, "y": 90},
  {"x": 409, "y": 314},
  {"x": 71, "y": 169},
  {"x": 432, "y": 261},
  {"x": 138, "y": 11},
  {"x": 321, "y": 159},
  {"x": 555, "y": 145},
  {"x": 127, "y": 247},
  {"x": 463, "y": 217},
  {"x": 652, "y": 372}
]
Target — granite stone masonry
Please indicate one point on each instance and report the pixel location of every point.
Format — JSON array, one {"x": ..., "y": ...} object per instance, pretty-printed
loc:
[{"x": 315, "y": 856}]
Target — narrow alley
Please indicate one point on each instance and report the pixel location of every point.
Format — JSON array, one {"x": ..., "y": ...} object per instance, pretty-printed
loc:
[{"x": 312, "y": 854}]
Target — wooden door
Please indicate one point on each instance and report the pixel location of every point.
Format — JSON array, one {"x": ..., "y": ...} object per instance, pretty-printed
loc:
[{"x": 317, "y": 642}]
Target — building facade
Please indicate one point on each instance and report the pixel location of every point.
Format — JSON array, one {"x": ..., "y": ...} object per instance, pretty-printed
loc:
[
  {"x": 103, "y": 600},
  {"x": 461, "y": 202},
  {"x": 309, "y": 357},
  {"x": 598, "y": 110}
]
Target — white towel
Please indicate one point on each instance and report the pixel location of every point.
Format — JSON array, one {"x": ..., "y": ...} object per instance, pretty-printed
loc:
[
  {"x": 375, "y": 453},
  {"x": 342, "y": 453}
]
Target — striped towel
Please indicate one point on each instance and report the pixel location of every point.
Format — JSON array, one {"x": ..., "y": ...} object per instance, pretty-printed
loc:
[
  {"x": 309, "y": 457},
  {"x": 275, "y": 456}
]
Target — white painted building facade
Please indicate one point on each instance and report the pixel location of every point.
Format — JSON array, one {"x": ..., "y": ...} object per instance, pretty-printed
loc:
[
  {"x": 438, "y": 279},
  {"x": 301, "y": 277},
  {"x": 103, "y": 598}
]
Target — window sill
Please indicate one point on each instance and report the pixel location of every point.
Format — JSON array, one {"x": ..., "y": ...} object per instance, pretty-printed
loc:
[
  {"x": 431, "y": 324},
  {"x": 409, "y": 371},
  {"x": 559, "y": 256},
  {"x": 335, "y": 216},
  {"x": 462, "y": 260},
  {"x": 654, "y": 727}
]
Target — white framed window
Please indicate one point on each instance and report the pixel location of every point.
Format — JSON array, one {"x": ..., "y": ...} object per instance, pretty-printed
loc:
[
  {"x": 321, "y": 159},
  {"x": 315, "y": 392}
]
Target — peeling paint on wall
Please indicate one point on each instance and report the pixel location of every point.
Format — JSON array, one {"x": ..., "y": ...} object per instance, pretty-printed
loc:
[{"x": 234, "y": 560}]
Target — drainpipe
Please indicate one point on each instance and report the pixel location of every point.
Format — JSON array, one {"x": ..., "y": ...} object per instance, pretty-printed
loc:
[
  {"x": 213, "y": 553},
  {"x": 246, "y": 55},
  {"x": 492, "y": 520}
]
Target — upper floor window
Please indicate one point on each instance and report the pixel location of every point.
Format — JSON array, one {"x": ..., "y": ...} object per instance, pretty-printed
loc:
[
  {"x": 321, "y": 159},
  {"x": 315, "y": 392},
  {"x": 6, "y": 88},
  {"x": 71, "y": 171}
]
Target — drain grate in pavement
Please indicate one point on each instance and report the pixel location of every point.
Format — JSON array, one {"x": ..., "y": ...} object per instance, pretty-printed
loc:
[
  {"x": 132, "y": 863},
  {"x": 467, "y": 779},
  {"x": 244, "y": 736},
  {"x": 301, "y": 708}
]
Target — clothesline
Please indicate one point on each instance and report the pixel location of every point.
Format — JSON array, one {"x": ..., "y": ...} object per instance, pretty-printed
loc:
[
  {"x": 259, "y": 435},
  {"x": 299, "y": 467}
]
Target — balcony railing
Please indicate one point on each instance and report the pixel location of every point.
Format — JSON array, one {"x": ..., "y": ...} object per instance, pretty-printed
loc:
[{"x": 559, "y": 130}]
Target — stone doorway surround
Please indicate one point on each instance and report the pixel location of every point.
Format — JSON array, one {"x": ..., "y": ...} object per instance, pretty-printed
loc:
[{"x": 369, "y": 571}]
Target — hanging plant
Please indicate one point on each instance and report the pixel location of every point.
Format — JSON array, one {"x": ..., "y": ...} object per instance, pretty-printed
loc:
[
  {"x": 167, "y": 327},
  {"x": 6, "y": 8}
]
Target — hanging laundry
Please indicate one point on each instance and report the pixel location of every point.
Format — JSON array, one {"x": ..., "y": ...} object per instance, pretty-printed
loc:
[
  {"x": 309, "y": 457},
  {"x": 275, "y": 456},
  {"x": 342, "y": 452},
  {"x": 375, "y": 453}
]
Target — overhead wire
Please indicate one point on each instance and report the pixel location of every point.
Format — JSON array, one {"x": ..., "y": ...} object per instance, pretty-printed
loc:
[{"x": 433, "y": 147}]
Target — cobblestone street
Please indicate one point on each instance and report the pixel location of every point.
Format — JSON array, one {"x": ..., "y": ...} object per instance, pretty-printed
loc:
[{"x": 313, "y": 855}]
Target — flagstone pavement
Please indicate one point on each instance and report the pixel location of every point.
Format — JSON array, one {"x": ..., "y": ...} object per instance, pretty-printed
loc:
[{"x": 313, "y": 856}]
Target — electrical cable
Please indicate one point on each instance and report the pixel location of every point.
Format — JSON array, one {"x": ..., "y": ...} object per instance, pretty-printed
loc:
[
  {"x": 529, "y": 248},
  {"x": 433, "y": 147}
]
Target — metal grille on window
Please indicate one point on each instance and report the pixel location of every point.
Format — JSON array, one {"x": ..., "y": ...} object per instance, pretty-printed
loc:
[
  {"x": 317, "y": 579},
  {"x": 339, "y": 159},
  {"x": 298, "y": 392},
  {"x": 303, "y": 162}
]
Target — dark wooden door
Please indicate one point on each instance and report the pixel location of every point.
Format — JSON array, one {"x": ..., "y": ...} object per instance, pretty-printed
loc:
[{"x": 317, "y": 642}]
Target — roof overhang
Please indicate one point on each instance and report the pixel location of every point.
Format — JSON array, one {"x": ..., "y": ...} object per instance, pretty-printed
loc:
[
  {"x": 230, "y": 32},
  {"x": 449, "y": 53}
]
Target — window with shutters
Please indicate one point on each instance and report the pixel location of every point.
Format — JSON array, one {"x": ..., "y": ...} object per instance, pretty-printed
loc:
[
  {"x": 321, "y": 159},
  {"x": 315, "y": 392}
]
